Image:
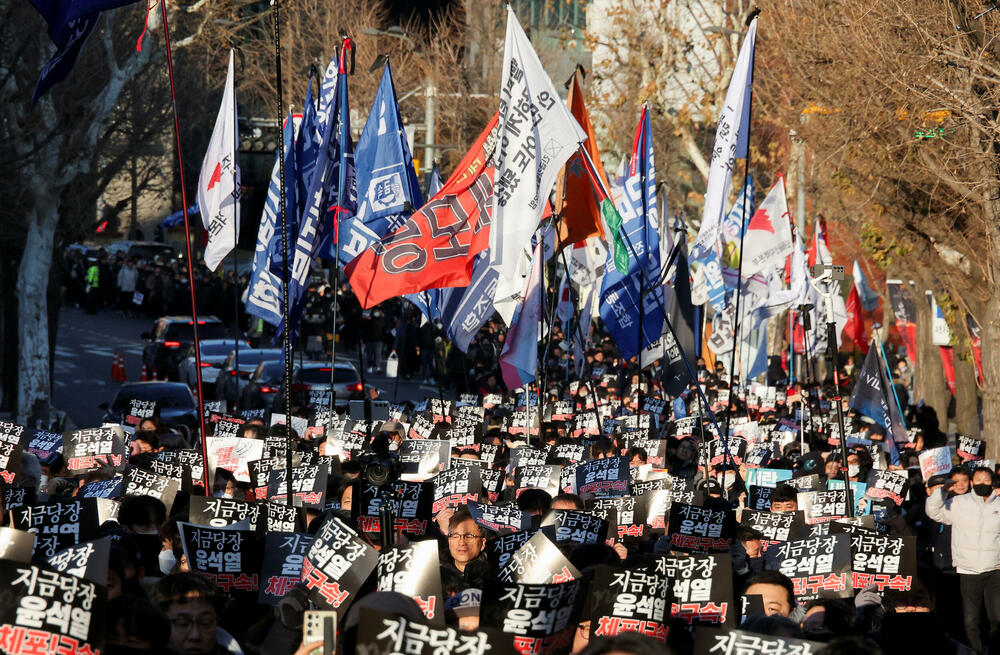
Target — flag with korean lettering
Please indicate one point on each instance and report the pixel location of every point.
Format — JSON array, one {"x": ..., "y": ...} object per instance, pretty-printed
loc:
[
  {"x": 219, "y": 182},
  {"x": 331, "y": 197},
  {"x": 538, "y": 134},
  {"x": 388, "y": 188},
  {"x": 635, "y": 318},
  {"x": 463, "y": 310},
  {"x": 337, "y": 564},
  {"x": 437, "y": 245},
  {"x": 45, "y": 611}
]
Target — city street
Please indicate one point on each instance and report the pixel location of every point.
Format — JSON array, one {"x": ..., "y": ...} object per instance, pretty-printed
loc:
[{"x": 86, "y": 346}]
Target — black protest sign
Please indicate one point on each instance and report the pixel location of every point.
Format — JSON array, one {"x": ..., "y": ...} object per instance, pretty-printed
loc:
[
  {"x": 775, "y": 526},
  {"x": 501, "y": 519},
  {"x": 88, "y": 560},
  {"x": 603, "y": 478},
  {"x": 538, "y": 476},
  {"x": 654, "y": 406},
  {"x": 259, "y": 472},
  {"x": 145, "y": 483},
  {"x": 457, "y": 486},
  {"x": 561, "y": 410},
  {"x": 970, "y": 448},
  {"x": 584, "y": 424},
  {"x": 889, "y": 563},
  {"x": 58, "y": 525},
  {"x": 806, "y": 483},
  {"x": 282, "y": 567},
  {"x": 336, "y": 565},
  {"x": 424, "y": 457},
  {"x": 187, "y": 457},
  {"x": 139, "y": 410},
  {"x": 171, "y": 470},
  {"x": 226, "y": 556},
  {"x": 684, "y": 427},
  {"x": 414, "y": 571},
  {"x": 694, "y": 529},
  {"x": 308, "y": 485},
  {"x": 222, "y": 512},
  {"x": 759, "y": 498},
  {"x": 411, "y": 503},
  {"x": 21, "y": 496},
  {"x": 12, "y": 433},
  {"x": 87, "y": 450},
  {"x": 626, "y": 515},
  {"x": 888, "y": 484},
  {"x": 717, "y": 451},
  {"x": 822, "y": 506},
  {"x": 538, "y": 561},
  {"x": 464, "y": 436},
  {"x": 380, "y": 633},
  {"x": 576, "y": 527},
  {"x": 759, "y": 455},
  {"x": 226, "y": 427},
  {"x": 43, "y": 443},
  {"x": 571, "y": 451},
  {"x": 541, "y": 617},
  {"x": 49, "y": 612},
  {"x": 493, "y": 482},
  {"x": 819, "y": 567},
  {"x": 630, "y": 600},
  {"x": 527, "y": 456},
  {"x": 659, "y": 501},
  {"x": 212, "y": 407},
  {"x": 16, "y": 545},
  {"x": 701, "y": 587},
  {"x": 10, "y": 462},
  {"x": 739, "y": 642},
  {"x": 656, "y": 450},
  {"x": 500, "y": 549},
  {"x": 280, "y": 518}
]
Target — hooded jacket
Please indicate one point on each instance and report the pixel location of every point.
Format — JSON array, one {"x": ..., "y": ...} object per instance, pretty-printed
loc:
[{"x": 975, "y": 529}]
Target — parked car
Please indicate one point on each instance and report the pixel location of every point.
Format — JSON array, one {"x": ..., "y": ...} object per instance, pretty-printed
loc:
[
  {"x": 315, "y": 376},
  {"x": 178, "y": 407},
  {"x": 230, "y": 383},
  {"x": 170, "y": 340},
  {"x": 214, "y": 353},
  {"x": 145, "y": 251},
  {"x": 262, "y": 386}
]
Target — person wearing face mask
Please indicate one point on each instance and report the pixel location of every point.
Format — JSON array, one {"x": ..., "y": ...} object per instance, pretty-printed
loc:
[{"x": 975, "y": 547}]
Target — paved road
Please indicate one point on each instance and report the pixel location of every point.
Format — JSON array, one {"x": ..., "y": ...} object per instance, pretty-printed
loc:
[{"x": 87, "y": 343}]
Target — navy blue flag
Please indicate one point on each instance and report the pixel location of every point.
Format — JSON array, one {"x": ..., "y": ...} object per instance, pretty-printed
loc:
[
  {"x": 331, "y": 192},
  {"x": 264, "y": 293},
  {"x": 676, "y": 375},
  {"x": 388, "y": 189},
  {"x": 871, "y": 398},
  {"x": 434, "y": 182},
  {"x": 70, "y": 23},
  {"x": 621, "y": 303},
  {"x": 465, "y": 309}
]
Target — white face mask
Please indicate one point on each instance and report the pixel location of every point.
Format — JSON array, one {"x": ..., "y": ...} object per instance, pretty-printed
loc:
[
  {"x": 167, "y": 561},
  {"x": 222, "y": 494},
  {"x": 853, "y": 470},
  {"x": 393, "y": 445}
]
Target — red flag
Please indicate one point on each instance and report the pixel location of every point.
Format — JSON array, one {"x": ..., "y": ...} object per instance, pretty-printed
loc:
[
  {"x": 436, "y": 246},
  {"x": 855, "y": 327},
  {"x": 948, "y": 363}
]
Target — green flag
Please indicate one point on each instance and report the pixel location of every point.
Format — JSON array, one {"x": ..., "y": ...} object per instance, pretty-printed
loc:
[{"x": 614, "y": 222}]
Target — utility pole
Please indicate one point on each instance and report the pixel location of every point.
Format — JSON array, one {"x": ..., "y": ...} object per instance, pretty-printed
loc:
[{"x": 430, "y": 127}]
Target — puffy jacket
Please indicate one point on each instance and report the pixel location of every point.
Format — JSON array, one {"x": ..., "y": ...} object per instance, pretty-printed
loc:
[{"x": 975, "y": 529}]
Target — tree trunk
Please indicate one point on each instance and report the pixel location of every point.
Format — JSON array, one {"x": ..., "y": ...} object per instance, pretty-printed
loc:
[
  {"x": 32, "y": 305},
  {"x": 991, "y": 375},
  {"x": 967, "y": 400},
  {"x": 930, "y": 385}
]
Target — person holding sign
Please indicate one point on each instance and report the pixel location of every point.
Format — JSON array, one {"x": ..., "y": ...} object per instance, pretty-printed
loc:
[{"x": 975, "y": 547}]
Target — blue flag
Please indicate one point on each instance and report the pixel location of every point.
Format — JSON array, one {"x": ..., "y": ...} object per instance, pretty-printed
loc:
[
  {"x": 871, "y": 398},
  {"x": 465, "y": 309},
  {"x": 731, "y": 231},
  {"x": 70, "y": 23},
  {"x": 519, "y": 357},
  {"x": 869, "y": 299},
  {"x": 388, "y": 189},
  {"x": 264, "y": 293},
  {"x": 434, "y": 182},
  {"x": 330, "y": 191},
  {"x": 621, "y": 304}
]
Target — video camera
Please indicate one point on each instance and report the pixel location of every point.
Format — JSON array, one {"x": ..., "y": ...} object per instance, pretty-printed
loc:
[{"x": 380, "y": 467}]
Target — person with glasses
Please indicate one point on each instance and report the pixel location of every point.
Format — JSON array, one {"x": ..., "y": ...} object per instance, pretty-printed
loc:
[
  {"x": 190, "y": 603},
  {"x": 465, "y": 546}
]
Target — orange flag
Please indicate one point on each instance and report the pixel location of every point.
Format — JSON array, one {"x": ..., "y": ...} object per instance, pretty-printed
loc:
[{"x": 575, "y": 198}]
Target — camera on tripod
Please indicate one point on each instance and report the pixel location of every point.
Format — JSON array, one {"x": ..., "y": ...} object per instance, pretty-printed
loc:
[{"x": 380, "y": 467}]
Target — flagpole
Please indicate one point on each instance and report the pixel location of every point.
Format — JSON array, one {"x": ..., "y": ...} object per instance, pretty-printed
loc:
[
  {"x": 345, "y": 45},
  {"x": 236, "y": 233},
  {"x": 187, "y": 244},
  {"x": 286, "y": 337}
]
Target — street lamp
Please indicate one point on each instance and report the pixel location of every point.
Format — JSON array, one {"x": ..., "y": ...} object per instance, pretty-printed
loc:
[{"x": 430, "y": 90}]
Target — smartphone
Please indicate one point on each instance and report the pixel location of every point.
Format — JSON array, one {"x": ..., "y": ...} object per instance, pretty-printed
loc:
[{"x": 320, "y": 625}]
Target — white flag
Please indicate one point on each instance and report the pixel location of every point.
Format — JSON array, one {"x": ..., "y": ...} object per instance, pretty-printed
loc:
[
  {"x": 537, "y": 135},
  {"x": 219, "y": 182},
  {"x": 768, "y": 238},
  {"x": 732, "y": 141}
]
